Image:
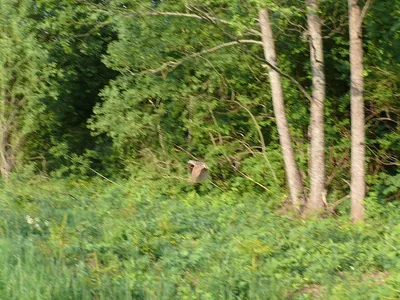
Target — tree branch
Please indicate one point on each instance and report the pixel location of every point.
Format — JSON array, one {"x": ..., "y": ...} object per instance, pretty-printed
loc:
[
  {"x": 252, "y": 180},
  {"x": 364, "y": 10},
  {"x": 178, "y": 14},
  {"x": 205, "y": 17},
  {"x": 175, "y": 64},
  {"x": 299, "y": 86},
  {"x": 331, "y": 208},
  {"x": 261, "y": 138}
]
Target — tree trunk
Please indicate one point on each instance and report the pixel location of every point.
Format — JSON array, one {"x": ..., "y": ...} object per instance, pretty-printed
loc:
[
  {"x": 6, "y": 155},
  {"x": 317, "y": 147},
  {"x": 296, "y": 188},
  {"x": 357, "y": 113},
  {"x": 7, "y": 161}
]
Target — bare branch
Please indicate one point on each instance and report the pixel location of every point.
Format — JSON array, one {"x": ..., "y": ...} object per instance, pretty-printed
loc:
[
  {"x": 252, "y": 180},
  {"x": 174, "y": 64},
  {"x": 364, "y": 10},
  {"x": 178, "y": 14},
  {"x": 97, "y": 27},
  {"x": 205, "y": 17},
  {"x": 331, "y": 208},
  {"x": 187, "y": 152},
  {"x": 261, "y": 138},
  {"x": 299, "y": 86}
]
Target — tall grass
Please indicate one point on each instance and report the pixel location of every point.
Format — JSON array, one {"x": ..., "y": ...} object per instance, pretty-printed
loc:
[{"x": 91, "y": 240}]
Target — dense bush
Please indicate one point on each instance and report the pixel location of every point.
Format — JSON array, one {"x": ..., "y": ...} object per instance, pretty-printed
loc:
[{"x": 75, "y": 240}]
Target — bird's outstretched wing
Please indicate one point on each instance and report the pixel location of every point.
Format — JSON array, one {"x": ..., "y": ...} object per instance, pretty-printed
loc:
[{"x": 198, "y": 171}]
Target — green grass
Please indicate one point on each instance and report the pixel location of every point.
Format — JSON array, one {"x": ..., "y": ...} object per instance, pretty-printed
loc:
[{"x": 134, "y": 242}]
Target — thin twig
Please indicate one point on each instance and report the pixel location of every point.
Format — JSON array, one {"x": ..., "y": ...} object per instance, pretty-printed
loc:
[
  {"x": 178, "y": 14},
  {"x": 364, "y": 10},
  {"x": 299, "y": 86},
  {"x": 187, "y": 152},
  {"x": 333, "y": 206},
  {"x": 252, "y": 180},
  {"x": 104, "y": 177},
  {"x": 217, "y": 125},
  {"x": 348, "y": 183},
  {"x": 205, "y": 17},
  {"x": 174, "y": 64},
  {"x": 94, "y": 171},
  {"x": 261, "y": 138},
  {"x": 228, "y": 159},
  {"x": 97, "y": 27}
]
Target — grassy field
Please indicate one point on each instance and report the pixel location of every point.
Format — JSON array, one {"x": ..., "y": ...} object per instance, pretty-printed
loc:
[{"x": 93, "y": 240}]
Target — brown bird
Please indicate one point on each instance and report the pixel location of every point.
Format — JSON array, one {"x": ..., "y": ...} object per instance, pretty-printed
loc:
[{"x": 198, "y": 171}]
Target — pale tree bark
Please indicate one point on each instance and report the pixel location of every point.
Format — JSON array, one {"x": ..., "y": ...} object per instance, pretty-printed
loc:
[
  {"x": 6, "y": 156},
  {"x": 296, "y": 187},
  {"x": 317, "y": 147},
  {"x": 357, "y": 113},
  {"x": 7, "y": 161}
]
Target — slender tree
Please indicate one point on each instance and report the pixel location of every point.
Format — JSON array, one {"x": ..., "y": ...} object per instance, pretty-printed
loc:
[
  {"x": 357, "y": 112},
  {"x": 294, "y": 180},
  {"x": 317, "y": 147}
]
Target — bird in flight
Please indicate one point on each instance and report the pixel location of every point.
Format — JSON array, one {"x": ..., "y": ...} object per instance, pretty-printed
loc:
[{"x": 198, "y": 171}]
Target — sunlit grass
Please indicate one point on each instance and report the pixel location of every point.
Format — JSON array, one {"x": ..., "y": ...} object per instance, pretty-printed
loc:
[{"x": 95, "y": 241}]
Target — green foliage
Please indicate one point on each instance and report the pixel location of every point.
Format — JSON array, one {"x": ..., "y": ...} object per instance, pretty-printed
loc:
[
  {"x": 214, "y": 106},
  {"x": 124, "y": 90},
  {"x": 74, "y": 36},
  {"x": 79, "y": 240},
  {"x": 113, "y": 90},
  {"x": 25, "y": 80}
]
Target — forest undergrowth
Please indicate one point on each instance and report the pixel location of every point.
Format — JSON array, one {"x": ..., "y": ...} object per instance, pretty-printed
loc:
[{"x": 63, "y": 239}]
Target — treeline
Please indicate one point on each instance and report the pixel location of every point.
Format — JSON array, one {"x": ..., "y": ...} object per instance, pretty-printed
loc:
[{"x": 271, "y": 94}]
